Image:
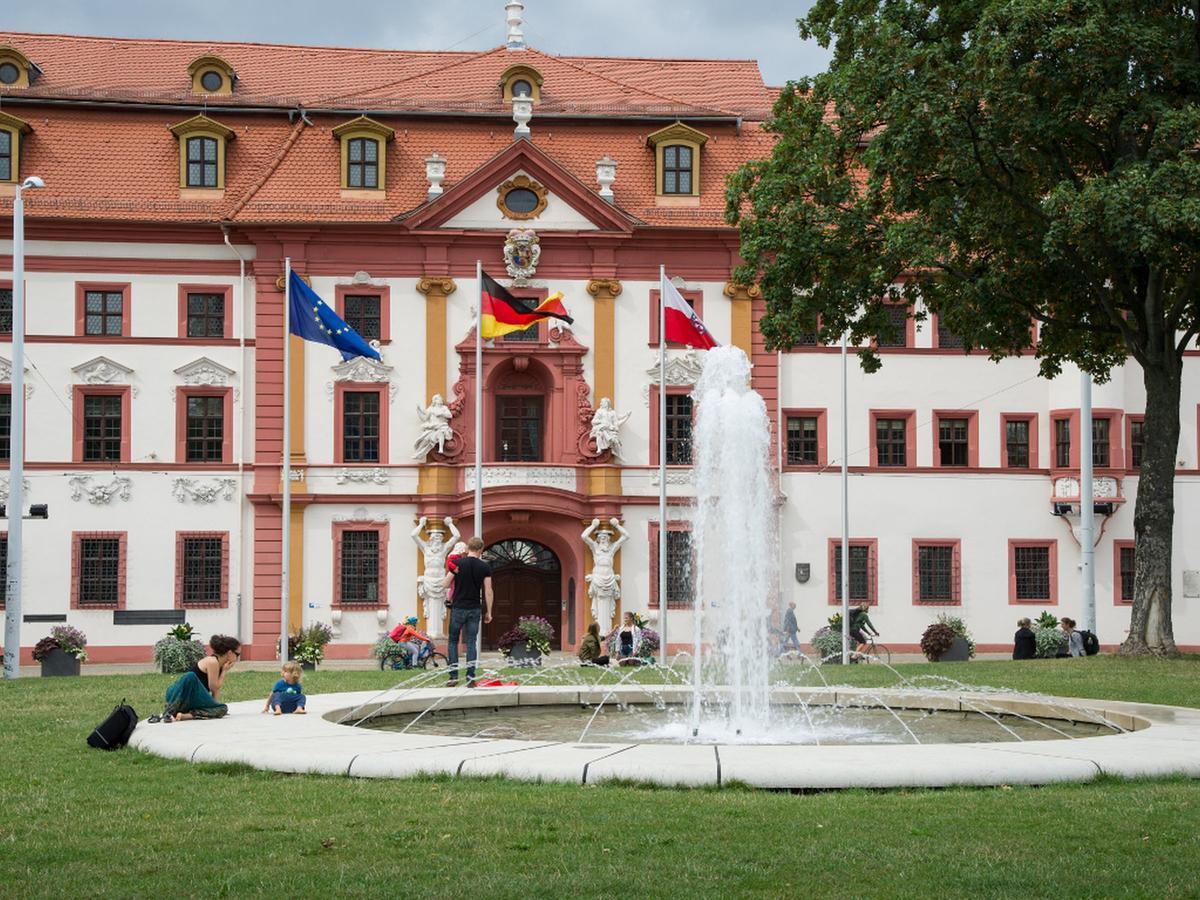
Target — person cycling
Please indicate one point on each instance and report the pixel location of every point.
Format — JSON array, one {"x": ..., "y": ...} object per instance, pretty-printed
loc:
[
  {"x": 860, "y": 627},
  {"x": 411, "y": 641}
]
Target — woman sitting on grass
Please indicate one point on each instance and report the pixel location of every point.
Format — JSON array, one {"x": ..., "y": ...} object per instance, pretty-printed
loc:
[{"x": 194, "y": 695}]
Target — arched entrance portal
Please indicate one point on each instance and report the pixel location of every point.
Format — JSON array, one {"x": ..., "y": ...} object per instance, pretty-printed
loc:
[{"x": 526, "y": 581}]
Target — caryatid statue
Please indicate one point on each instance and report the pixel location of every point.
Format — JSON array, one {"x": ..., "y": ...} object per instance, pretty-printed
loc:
[
  {"x": 435, "y": 427},
  {"x": 604, "y": 584},
  {"x": 606, "y": 427},
  {"x": 430, "y": 588}
]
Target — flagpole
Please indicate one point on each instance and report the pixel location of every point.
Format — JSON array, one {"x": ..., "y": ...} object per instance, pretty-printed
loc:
[
  {"x": 662, "y": 459},
  {"x": 479, "y": 423},
  {"x": 286, "y": 468}
]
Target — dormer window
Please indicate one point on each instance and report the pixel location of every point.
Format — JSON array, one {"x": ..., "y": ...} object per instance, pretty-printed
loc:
[
  {"x": 202, "y": 153},
  {"x": 364, "y": 154},
  {"x": 16, "y": 69},
  {"x": 677, "y": 160},
  {"x": 521, "y": 80},
  {"x": 11, "y": 129},
  {"x": 212, "y": 75}
]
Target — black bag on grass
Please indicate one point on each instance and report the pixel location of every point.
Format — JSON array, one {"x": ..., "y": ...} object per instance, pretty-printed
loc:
[{"x": 114, "y": 732}]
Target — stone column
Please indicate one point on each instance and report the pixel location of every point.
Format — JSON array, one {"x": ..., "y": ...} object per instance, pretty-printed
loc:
[{"x": 741, "y": 318}]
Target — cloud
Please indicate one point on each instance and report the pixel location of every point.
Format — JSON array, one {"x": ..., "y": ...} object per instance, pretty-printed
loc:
[{"x": 751, "y": 29}]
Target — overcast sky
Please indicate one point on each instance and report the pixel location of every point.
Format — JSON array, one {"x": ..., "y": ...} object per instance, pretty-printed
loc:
[{"x": 756, "y": 29}]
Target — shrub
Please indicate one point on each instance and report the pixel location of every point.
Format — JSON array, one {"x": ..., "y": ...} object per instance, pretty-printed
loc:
[
  {"x": 533, "y": 630},
  {"x": 959, "y": 627},
  {"x": 182, "y": 632},
  {"x": 175, "y": 654},
  {"x": 1050, "y": 641},
  {"x": 65, "y": 638},
  {"x": 1046, "y": 620},
  {"x": 308, "y": 644},
  {"x": 937, "y": 640},
  {"x": 827, "y": 640},
  {"x": 385, "y": 647}
]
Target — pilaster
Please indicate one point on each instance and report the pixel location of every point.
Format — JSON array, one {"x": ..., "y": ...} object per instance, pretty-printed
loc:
[
  {"x": 741, "y": 317},
  {"x": 436, "y": 290},
  {"x": 605, "y": 291}
]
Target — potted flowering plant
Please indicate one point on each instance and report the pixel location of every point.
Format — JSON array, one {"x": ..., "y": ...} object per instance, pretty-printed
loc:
[
  {"x": 528, "y": 642},
  {"x": 178, "y": 651},
  {"x": 307, "y": 646},
  {"x": 61, "y": 652},
  {"x": 1049, "y": 640}
]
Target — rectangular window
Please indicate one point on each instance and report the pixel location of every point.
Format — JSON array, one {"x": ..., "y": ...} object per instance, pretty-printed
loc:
[
  {"x": 897, "y": 336},
  {"x": 205, "y": 429},
  {"x": 891, "y": 439},
  {"x": 679, "y": 568},
  {"x": 1125, "y": 572},
  {"x": 953, "y": 446},
  {"x": 1016, "y": 443},
  {"x": 519, "y": 429},
  {"x": 362, "y": 166},
  {"x": 102, "y": 428},
  {"x": 1062, "y": 443},
  {"x": 677, "y": 169},
  {"x": 5, "y": 428},
  {"x": 103, "y": 312},
  {"x": 6, "y": 154},
  {"x": 99, "y": 571},
  {"x": 202, "y": 570},
  {"x": 803, "y": 446},
  {"x": 861, "y": 575},
  {"x": 360, "y": 566},
  {"x": 679, "y": 430},
  {"x": 205, "y": 315},
  {"x": 6, "y": 306},
  {"x": 937, "y": 573},
  {"x": 1031, "y": 572},
  {"x": 947, "y": 339},
  {"x": 1100, "y": 447},
  {"x": 360, "y": 426},
  {"x": 528, "y": 335},
  {"x": 202, "y": 162},
  {"x": 361, "y": 312},
  {"x": 1137, "y": 442}
]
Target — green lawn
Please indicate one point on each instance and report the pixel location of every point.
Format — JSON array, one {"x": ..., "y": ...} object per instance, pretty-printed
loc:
[{"x": 74, "y": 821}]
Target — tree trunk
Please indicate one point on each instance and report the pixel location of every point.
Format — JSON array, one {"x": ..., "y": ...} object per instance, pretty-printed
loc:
[{"x": 1154, "y": 515}]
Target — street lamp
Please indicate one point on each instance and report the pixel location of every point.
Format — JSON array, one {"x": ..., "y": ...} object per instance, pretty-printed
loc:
[{"x": 16, "y": 472}]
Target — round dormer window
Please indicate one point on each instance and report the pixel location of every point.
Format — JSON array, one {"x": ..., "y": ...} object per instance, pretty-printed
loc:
[
  {"x": 522, "y": 87},
  {"x": 9, "y": 73},
  {"x": 212, "y": 81}
]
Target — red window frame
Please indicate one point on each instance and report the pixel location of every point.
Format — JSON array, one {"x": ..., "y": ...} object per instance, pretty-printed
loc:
[
  {"x": 79, "y": 394},
  {"x": 339, "y": 532},
  {"x": 822, "y": 439},
  {"x": 910, "y": 332},
  {"x": 694, "y": 298},
  {"x": 1117, "y": 579},
  {"x": 1052, "y": 545},
  {"x": 339, "y": 406},
  {"x": 383, "y": 292},
  {"x": 1032, "y": 419},
  {"x": 910, "y": 437},
  {"x": 125, "y": 288},
  {"x": 955, "y": 544},
  {"x": 677, "y": 526},
  {"x": 1130, "y": 420},
  {"x": 180, "y": 538},
  {"x": 835, "y": 549},
  {"x": 676, "y": 390},
  {"x": 181, "y": 398},
  {"x": 972, "y": 417},
  {"x": 226, "y": 290},
  {"x": 77, "y": 538}
]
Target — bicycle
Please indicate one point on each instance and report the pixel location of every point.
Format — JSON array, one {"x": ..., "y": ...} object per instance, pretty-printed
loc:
[
  {"x": 427, "y": 658},
  {"x": 875, "y": 653}
]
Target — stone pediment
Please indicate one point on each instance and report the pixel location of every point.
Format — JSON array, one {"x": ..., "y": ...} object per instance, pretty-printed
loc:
[
  {"x": 102, "y": 370},
  {"x": 681, "y": 370},
  {"x": 205, "y": 371},
  {"x": 363, "y": 369}
]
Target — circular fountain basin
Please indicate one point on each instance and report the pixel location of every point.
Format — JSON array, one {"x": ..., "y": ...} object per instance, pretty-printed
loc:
[{"x": 1156, "y": 740}]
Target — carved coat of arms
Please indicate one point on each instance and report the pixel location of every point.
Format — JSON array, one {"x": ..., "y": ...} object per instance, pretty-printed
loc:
[{"x": 522, "y": 248}]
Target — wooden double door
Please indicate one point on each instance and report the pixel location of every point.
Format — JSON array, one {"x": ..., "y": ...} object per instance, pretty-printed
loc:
[{"x": 526, "y": 581}]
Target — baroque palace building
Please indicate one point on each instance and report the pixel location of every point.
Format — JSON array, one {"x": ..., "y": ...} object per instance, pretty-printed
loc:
[{"x": 180, "y": 175}]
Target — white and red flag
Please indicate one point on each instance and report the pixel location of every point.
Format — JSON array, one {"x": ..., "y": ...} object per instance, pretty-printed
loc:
[{"x": 681, "y": 325}]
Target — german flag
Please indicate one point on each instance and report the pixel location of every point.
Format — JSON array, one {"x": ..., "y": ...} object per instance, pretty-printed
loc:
[{"x": 502, "y": 313}]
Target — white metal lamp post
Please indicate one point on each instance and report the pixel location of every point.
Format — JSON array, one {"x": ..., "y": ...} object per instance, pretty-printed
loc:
[{"x": 16, "y": 473}]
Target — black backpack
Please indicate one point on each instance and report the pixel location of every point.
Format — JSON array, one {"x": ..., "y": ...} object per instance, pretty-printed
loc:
[
  {"x": 1091, "y": 643},
  {"x": 114, "y": 732}
]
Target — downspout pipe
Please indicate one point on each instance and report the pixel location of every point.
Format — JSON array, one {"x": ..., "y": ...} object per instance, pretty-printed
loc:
[{"x": 240, "y": 406}]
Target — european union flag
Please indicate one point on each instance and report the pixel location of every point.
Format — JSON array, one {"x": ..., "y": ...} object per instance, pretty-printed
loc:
[{"x": 314, "y": 320}]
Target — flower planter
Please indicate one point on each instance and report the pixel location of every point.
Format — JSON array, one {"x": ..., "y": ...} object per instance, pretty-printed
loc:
[
  {"x": 524, "y": 654},
  {"x": 959, "y": 651},
  {"x": 58, "y": 663},
  {"x": 308, "y": 666}
]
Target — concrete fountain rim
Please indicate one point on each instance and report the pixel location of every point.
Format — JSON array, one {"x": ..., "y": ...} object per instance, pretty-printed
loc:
[{"x": 1161, "y": 740}]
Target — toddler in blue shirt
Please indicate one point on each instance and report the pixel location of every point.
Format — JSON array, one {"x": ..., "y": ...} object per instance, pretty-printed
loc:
[{"x": 287, "y": 696}]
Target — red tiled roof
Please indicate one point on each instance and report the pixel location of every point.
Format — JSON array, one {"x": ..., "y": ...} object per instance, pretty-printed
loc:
[{"x": 123, "y": 163}]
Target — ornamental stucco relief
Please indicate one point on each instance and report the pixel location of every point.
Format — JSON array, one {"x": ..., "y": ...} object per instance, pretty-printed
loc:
[
  {"x": 99, "y": 494},
  {"x": 559, "y": 477},
  {"x": 103, "y": 370},
  {"x": 362, "y": 369},
  {"x": 203, "y": 491}
]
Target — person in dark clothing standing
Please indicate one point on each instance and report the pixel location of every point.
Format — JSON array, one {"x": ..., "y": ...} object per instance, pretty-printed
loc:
[
  {"x": 1024, "y": 641},
  {"x": 790, "y": 626},
  {"x": 472, "y": 581}
]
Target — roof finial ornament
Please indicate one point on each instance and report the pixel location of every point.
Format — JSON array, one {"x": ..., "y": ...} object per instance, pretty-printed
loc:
[{"x": 513, "y": 18}]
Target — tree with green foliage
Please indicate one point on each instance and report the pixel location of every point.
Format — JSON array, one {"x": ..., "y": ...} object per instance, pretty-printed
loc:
[{"x": 1005, "y": 162}]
